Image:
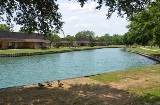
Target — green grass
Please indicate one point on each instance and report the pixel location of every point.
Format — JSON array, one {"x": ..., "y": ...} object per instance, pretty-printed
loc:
[
  {"x": 150, "y": 51},
  {"x": 149, "y": 88},
  {"x": 16, "y": 51},
  {"x": 106, "y": 78}
]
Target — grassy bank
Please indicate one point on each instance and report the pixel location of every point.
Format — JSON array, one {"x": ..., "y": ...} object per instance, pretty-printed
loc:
[
  {"x": 146, "y": 50},
  {"x": 144, "y": 82},
  {"x": 16, "y": 51}
]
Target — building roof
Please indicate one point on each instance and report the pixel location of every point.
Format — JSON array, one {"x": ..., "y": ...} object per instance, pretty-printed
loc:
[{"x": 22, "y": 37}]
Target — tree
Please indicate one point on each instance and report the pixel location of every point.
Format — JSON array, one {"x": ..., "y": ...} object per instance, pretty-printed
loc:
[
  {"x": 106, "y": 38},
  {"x": 54, "y": 38},
  {"x": 43, "y": 16},
  {"x": 80, "y": 35},
  {"x": 86, "y": 35},
  {"x": 116, "y": 39},
  {"x": 145, "y": 26},
  {"x": 4, "y": 27},
  {"x": 38, "y": 15},
  {"x": 70, "y": 39}
]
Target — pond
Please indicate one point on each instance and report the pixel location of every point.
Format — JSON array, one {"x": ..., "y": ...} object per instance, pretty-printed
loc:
[{"x": 17, "y": 71}]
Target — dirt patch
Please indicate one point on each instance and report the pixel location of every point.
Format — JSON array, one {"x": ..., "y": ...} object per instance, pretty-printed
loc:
[
  {"x": 78, "y": 91},
  {"x": 143, "y": 81},
  {"x": 69, "y": 83}
]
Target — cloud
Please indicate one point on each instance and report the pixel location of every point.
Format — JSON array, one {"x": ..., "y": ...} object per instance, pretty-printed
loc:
[
  {"x": 72, "y": 18},
  {"x": 75, "y": 7},
  {"x": 83, "y": 25}
]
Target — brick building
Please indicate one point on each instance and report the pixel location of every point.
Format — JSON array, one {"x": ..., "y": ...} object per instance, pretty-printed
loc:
[{"x": 22, "y": 40}]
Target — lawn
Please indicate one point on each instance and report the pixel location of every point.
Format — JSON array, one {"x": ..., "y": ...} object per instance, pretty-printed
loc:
[
  {"x": 144, "y": 82},
  {"x": 16, "y": 51},
  {"x": 146, "y": 50}
]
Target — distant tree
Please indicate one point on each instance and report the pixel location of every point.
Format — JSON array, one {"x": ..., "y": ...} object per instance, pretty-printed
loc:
[
  {"x": 4, "y": 27},
  {"x": 80, "y": 35},
  {"x": 106, "y": 38},
  {"x": 86, "y": 35},
  {"x": 117, "y": 39},
  {"x": 54, "y": 38},
  {"x": 70, "y": 39},
  {"x": 97, "y": 38}
]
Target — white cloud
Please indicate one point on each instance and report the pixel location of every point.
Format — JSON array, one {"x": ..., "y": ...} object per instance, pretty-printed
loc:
[
  {"x": 75, "y": 7},
  {"x": 87, "y": 18},
  {"x": 72, "y": 18},
  {"x": 83, "y": 25}
]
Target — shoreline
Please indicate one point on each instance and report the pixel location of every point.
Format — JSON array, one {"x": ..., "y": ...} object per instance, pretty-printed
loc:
[
  {"x": 54, "y": 52},
  {"x": 156, "y": 58}
]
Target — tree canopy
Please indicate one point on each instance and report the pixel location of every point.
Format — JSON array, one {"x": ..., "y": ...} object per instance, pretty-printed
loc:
[
  {"x": 112, "y": 40},
  {"x": 54, "y": 38},
  {"x": 43, "y": 16},
  {"x": 145, "y": 27},
  {"x": 4, "y": 27},
  {"x": 86, "y": 35},
  {"x": 69, "y": 38},
  {"x": 34, "y": 15}
]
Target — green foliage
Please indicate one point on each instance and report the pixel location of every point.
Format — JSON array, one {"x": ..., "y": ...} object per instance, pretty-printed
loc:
[
  {"x": 106, "y": 38},
  {"x": 54, "y": 38},
  {"x": 25, "y": 31},
  {"x": 112, "y": 40},
  {"x": 144, "y": 27},
  {"x": 128, "y": 38},
  {"x": 117, "y": 39},
  {"x": 38, "y": 15},
  {"x": 4, "y": 27},
  {"x": 86, "y": 35},
  {"x": 69, "y": 38}
]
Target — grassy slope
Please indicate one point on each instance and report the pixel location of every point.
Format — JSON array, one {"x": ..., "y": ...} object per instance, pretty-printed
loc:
[
  {"x": 134, "y": 74},
  {"x": 152, "y": 51}
]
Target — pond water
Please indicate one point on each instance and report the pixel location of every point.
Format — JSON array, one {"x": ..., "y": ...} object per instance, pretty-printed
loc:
[{"x": 19, "y": 71}]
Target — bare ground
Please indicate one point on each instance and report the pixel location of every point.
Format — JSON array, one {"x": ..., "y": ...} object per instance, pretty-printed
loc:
[{"x": 79, "y": 91}]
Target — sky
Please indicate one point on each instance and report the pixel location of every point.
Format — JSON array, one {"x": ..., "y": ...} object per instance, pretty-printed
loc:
[{"x": 88, "y": 18}]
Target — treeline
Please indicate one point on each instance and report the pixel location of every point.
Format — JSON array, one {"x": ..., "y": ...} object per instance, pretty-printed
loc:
[
  {"x": 82, "y": 35},
  {"x": 89, "y": 36}
]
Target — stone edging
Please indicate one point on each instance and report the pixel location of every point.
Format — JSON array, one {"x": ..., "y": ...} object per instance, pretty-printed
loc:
[
  {"x": 46, "y": 52},
  {"x": 156, "y": 58}
]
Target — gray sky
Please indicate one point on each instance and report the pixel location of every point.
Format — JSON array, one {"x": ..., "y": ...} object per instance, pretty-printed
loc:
[{"x": 88, "y": 18}]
